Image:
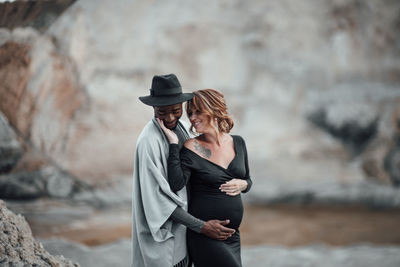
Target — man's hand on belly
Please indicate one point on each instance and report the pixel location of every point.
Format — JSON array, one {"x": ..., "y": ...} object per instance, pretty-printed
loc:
[{"x": 215, "y": 229}]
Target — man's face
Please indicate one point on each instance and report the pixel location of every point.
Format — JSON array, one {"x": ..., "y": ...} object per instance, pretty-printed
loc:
[{"x": 169, "y": 114}]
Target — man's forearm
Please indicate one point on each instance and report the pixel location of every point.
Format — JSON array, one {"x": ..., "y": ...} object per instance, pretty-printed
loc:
[{"x": 179, "y": 215}]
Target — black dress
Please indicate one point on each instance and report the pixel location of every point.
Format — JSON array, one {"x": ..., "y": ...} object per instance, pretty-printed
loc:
[{"x": 207, "y": 202}]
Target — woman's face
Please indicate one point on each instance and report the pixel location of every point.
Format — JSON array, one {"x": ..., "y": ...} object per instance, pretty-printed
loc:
[{"x": 200, "y": 121}]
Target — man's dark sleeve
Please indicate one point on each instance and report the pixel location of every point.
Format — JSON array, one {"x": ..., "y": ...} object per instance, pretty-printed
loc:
[{"x": 179, "y": 215}]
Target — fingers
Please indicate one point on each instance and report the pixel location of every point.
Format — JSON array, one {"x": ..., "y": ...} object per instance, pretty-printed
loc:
[
  {"x": 231, "y": 182},
  {"x": 224, "y": 233},
  {"x": 225, "y": 187},
  {"x": 224, "y": 229},
  {"x": 223, "y": 237},
  {"x": 227, "y": 231},
  {"x": 216, "y": 229},
  {"x": 230, "y": 190},
  {"x": 223, "y": 222},
  {"x": 172, "y": 137},
  {"x": 161, "y": 123},
  {"x": 233, "y": 187}
]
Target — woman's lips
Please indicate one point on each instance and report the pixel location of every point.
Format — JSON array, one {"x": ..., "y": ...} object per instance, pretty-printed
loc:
[{"x": 196, "y": 123}]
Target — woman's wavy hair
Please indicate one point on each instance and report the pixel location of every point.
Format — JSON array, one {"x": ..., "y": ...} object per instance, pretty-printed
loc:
[{"x": 211, "y": 103}]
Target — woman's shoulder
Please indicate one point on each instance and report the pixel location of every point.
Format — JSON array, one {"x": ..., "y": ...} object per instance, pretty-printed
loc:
[
  {"x": 237, "y": 137},
  {"x": 189, "y": 144},
  {"x": 187, "y": 153}
]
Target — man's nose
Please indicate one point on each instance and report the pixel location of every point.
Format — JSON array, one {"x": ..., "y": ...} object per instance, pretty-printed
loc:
[{"x": 169, "y": 117}]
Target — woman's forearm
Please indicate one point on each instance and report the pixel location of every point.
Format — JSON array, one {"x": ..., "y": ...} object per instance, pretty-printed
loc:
[{"x": 178, "y": 176}]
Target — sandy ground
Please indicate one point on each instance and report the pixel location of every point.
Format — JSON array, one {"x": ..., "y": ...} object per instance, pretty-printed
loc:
[
  {"x": 304, "y": 225},
  {"x": 262, "y": 225}
]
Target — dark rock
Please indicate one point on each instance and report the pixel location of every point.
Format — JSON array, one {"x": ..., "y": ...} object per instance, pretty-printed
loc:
[
  {"x": 19, "y": 248},
  {"x": 48, "y": 181},
  {"x": 10, "y": 148},
  {"x": 392, "y": 163},
  {"x": 59, "y": 184},
  {"x": 350, "y": 133},
  {"x": 22, "y": 185},
  {"x": 39, "y": 14}
]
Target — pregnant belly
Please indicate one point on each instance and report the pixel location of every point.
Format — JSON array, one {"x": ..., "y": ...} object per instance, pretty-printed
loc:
[{"x": 220, "y": 207}]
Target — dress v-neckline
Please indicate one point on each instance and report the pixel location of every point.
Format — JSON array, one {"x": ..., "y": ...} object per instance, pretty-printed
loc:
[{"x": 225, "y": 169}]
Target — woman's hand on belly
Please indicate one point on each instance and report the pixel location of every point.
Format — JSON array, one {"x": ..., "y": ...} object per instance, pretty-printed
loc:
[{"x": 234, "y": 187}]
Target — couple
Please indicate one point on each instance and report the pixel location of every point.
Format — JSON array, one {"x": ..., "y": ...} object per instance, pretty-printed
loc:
[{"x": 172, "y": 169}]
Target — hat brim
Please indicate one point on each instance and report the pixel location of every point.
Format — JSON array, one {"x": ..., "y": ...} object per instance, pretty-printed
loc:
[{"x": 159, "y": 101}]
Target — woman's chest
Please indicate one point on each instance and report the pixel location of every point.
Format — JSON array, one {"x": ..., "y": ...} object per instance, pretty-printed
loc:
[{"x": 206, "y": 171}]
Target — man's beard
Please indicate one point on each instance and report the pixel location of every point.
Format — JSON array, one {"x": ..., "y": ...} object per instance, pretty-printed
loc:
[{"x": 172, "y": 128}]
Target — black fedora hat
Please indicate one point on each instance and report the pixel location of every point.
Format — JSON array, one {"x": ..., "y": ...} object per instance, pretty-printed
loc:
[{"x": 165, "y": 91}]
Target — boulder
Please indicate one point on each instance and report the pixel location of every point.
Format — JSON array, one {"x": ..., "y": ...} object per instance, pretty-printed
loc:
[
  {"x": 58, "y": 183},
  {"x": 19, "y": 248},
  {"x": 47, "y": 181},
  {"x": 22, "y": 185}
]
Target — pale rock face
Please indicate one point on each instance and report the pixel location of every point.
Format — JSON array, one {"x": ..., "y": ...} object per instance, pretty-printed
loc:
[
  {"x": 41, "y": 95},
  {"x": 277, "y": 63}
]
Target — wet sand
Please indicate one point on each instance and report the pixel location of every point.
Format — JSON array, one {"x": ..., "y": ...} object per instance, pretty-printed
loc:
[
  {"x": 304, "y": 225},
  {"x": 262, "y": 225}
]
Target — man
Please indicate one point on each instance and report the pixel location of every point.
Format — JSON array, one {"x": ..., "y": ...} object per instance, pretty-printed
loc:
[{"x": 159, "y": 215}]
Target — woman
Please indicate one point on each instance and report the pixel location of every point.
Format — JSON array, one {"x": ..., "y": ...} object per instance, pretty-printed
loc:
[{"x": 216, "y": 165}]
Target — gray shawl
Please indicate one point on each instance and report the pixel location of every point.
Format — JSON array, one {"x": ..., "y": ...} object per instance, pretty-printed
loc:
[{"x": 156, "y": 240}]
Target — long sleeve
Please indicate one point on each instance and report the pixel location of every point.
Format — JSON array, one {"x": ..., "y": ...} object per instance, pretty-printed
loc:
[
  {"x": 181, "y": 216},
  {"x": 178, "y": 173},
  {"x": 246, "y": 163}
]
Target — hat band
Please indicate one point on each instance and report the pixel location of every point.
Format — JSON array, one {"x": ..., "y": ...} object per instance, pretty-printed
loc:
[{"x": 170, "y": 91}]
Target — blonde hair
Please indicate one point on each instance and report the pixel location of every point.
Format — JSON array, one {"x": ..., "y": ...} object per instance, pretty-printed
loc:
[{"x": 211, "y": 103}]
